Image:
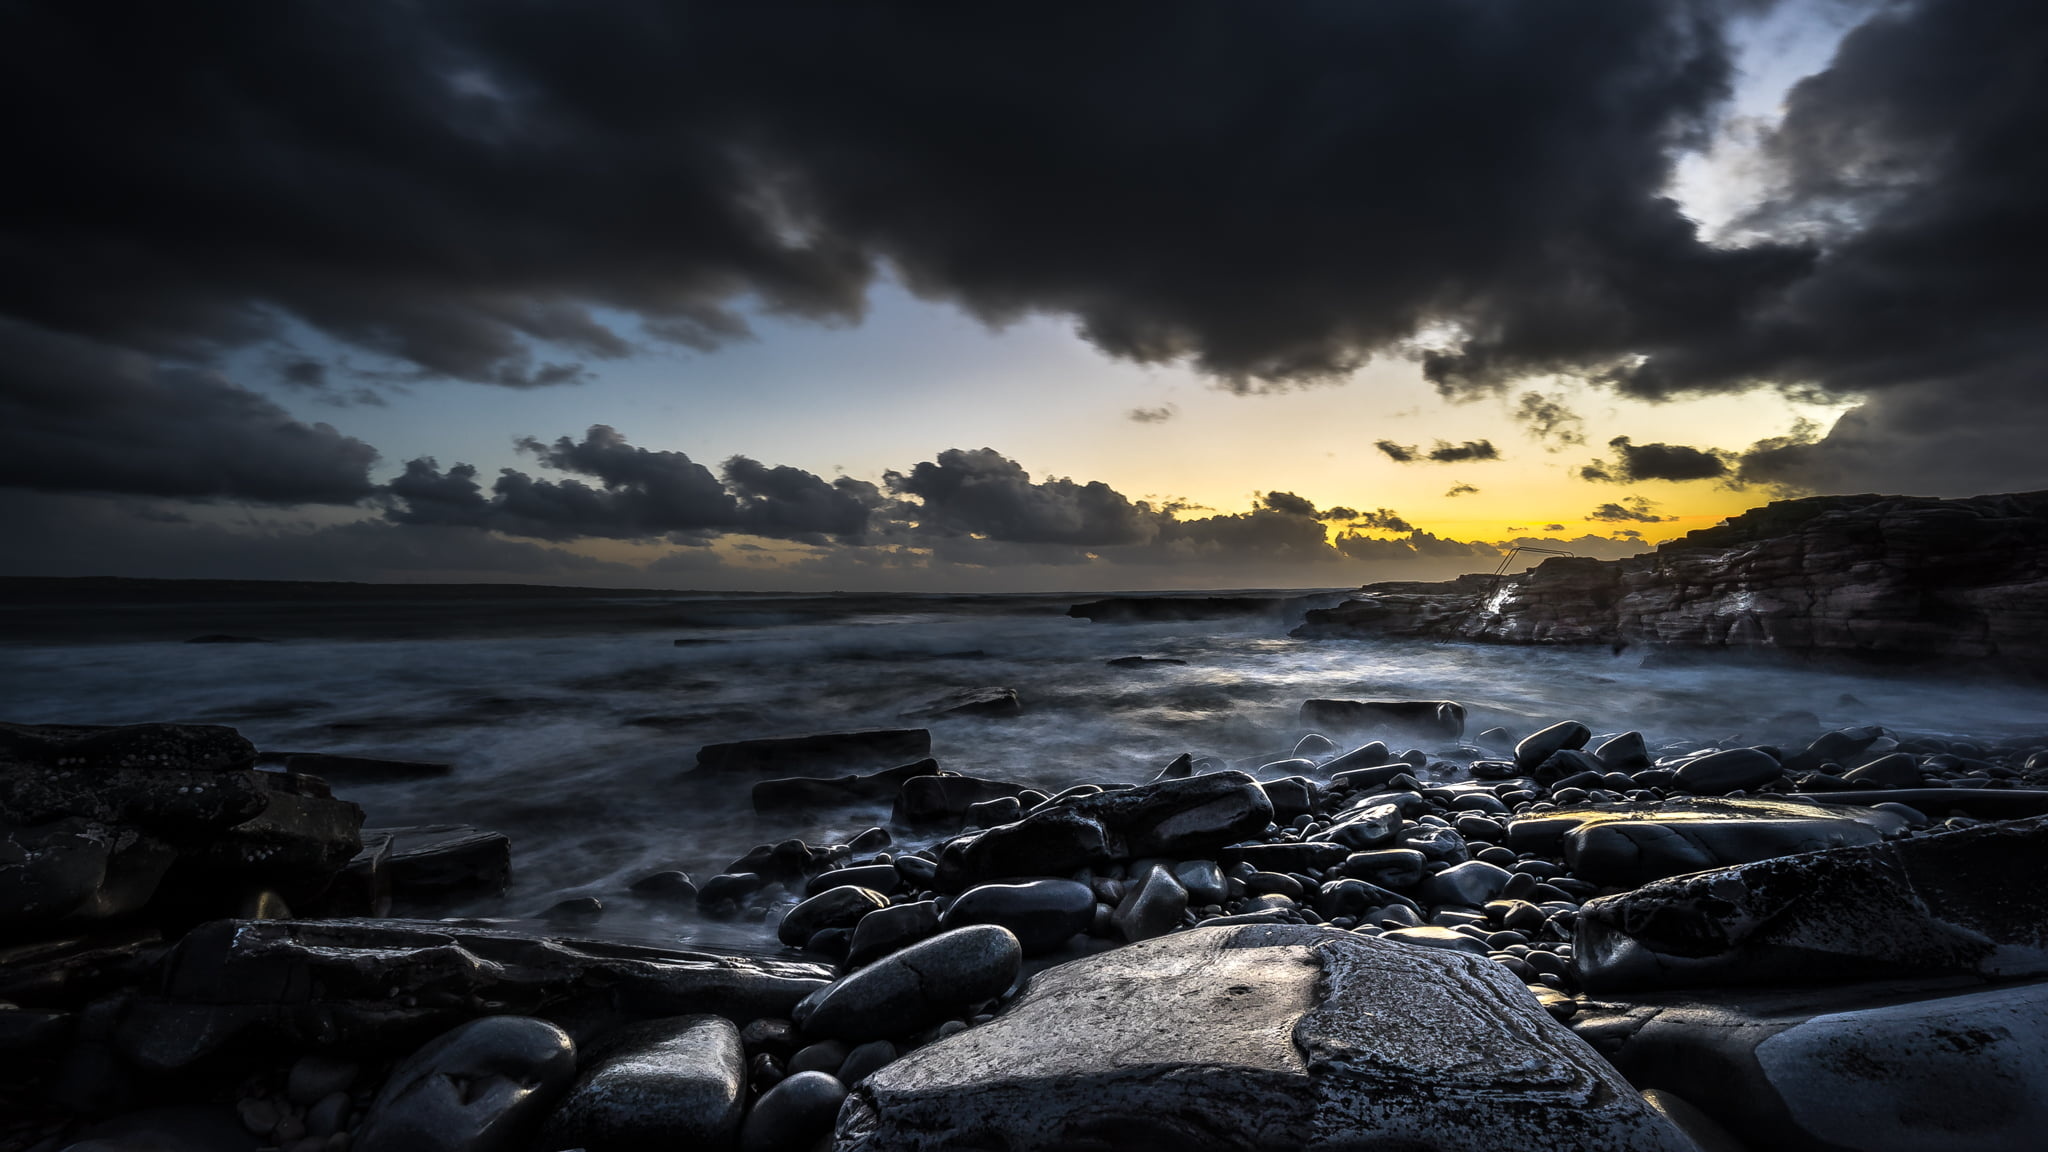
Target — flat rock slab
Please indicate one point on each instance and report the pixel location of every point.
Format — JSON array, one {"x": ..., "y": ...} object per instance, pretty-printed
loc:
[
  {"x": 1873, "y": 1068},
  {"x": 1259, "y": 1037},
  {"x": 829, "y": 751},
  {"x": 1624, "y": 845},
  {"x": 376, "y": 982},
  {"x": 1971, "y": 902}
]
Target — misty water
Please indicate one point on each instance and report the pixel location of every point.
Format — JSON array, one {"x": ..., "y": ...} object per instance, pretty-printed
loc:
[{"x": 575, "y": 733}]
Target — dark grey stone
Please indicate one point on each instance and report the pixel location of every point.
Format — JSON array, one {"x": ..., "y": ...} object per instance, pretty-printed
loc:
[
  {"x": 483, "y": 1086},
  {"x": 1623, "y": 845},
  {"x": 1258, "y": 1038},
  {"x": 656, "y": 1085},
  {"x": 885, "y": 930},
  {"x": 810, "y": 793},
  {"x": 996, "y": 702},
  {"x": 882, "y": 878},
  {"x": 1468, "y": 885},
  {"x": 1043, "y": 914},
  {"x": 794, "y": 1115},
  {"x": 1152, "y": 906},
  {"x": 380, "y": 981},
  {"x": 914, "y": 987},
  {"x": 1170, "y": 818},
  {"x": 835, "y": 751},
  {"x": 1439, "y": 718},
  {"x": 1203, "y": 880},
  {"x": 838, "y": 907},
  {"x": 1973, "y": 902},
  {"x": 1728, "y": 770},
  {"x": 1537, "y": 747}
]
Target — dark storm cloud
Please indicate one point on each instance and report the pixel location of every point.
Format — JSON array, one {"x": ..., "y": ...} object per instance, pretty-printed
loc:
[
  {"x": 982, "y": 492},
  {"x": 1912, "y": 167},
  {"x": 1151, "y": 415},
  {"x": 1273, "y": 192},
  {"x": 1636, "y": 462},
  {"x": 1398, "y": 453},
  {"x": 640, "y": 494},
  {"x": 1630, "y": 509},
  {"x": 1461, "y": 490},
  {"x": 78, "y": 416}
]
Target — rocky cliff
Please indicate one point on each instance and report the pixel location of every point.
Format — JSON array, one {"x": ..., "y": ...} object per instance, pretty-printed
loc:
[{"x": 1883, "y": 577}]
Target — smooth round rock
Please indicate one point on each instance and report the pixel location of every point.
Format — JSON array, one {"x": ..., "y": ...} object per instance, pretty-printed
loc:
[
  {"x": 656, "y": 1085},
  {"x": 1897, "y": 770},
  {"x": 883, "y": 878},
  {"x": 1468, "y": 885},
  {"x": 794, "y": 1115},
  {"x": 832, "y": 908},
  {"x": 672, "y": 884},
  {"x": 1729, "y": 770},
  {"x": 824, "y": 1056},
  {"x": 1396, "y": 868},
  {"x": 1043, "y": 914},
  {"x": 483, "y": 1086},
  {"x": 1538, "y": 747},
  {"x": 865, "y": 1061},
  {"x": 916, "y": 987}
]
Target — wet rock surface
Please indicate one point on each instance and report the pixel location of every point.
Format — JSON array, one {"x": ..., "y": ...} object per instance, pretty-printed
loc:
[
  {"x": 1973, "y": 901},
  {"x": 1259, "y": 1037},
  {"x": 1887, "y": 577},
  {"x": 1424, "y": 942}
]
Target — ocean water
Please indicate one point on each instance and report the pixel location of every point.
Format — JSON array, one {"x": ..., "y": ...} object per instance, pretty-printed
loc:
[{"x": 573, "y": 726}]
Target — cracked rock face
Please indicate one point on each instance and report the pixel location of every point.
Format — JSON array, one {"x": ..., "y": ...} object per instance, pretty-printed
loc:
[
  {"x": 1974, "y": 901},
  {"x": 1888, "y": 1067},
  {"x": 1880, "y": 576},
  {"x": 1259, "y": 1037}
]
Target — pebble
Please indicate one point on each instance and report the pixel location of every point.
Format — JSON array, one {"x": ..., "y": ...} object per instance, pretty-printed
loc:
[
  {"x": 1152, "y": 907},
  {"x": 833, "y": 908},
  {"x": 865, "y": 1060},
  {"x": 793, "y": 1115}
]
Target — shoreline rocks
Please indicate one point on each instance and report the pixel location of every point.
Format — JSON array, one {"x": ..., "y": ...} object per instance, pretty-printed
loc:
[{"x": 1880, "y": 578}]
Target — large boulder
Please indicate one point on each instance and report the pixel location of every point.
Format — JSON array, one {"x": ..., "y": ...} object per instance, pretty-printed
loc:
[
  {"x": 1180, "y": 818},
  {"x": 1259, "y": 1037},
  {"x": 1623, "y": 845},
  {"x": 97, "y": 822},
  {"x": 1969, "y": 902},
  {"x": 1866, "y": 1068},
  {"x": 300, "y": 983}
]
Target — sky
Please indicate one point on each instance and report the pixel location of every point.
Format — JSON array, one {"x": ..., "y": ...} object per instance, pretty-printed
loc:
[{"x": 883, "y": 297}]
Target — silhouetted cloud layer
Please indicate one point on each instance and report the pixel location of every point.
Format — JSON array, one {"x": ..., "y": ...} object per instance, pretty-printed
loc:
[{"x": 1634, "y": 462}]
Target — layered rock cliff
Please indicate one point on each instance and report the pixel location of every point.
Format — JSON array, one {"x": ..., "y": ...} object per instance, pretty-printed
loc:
[{"x": 1883, "y": 577}]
